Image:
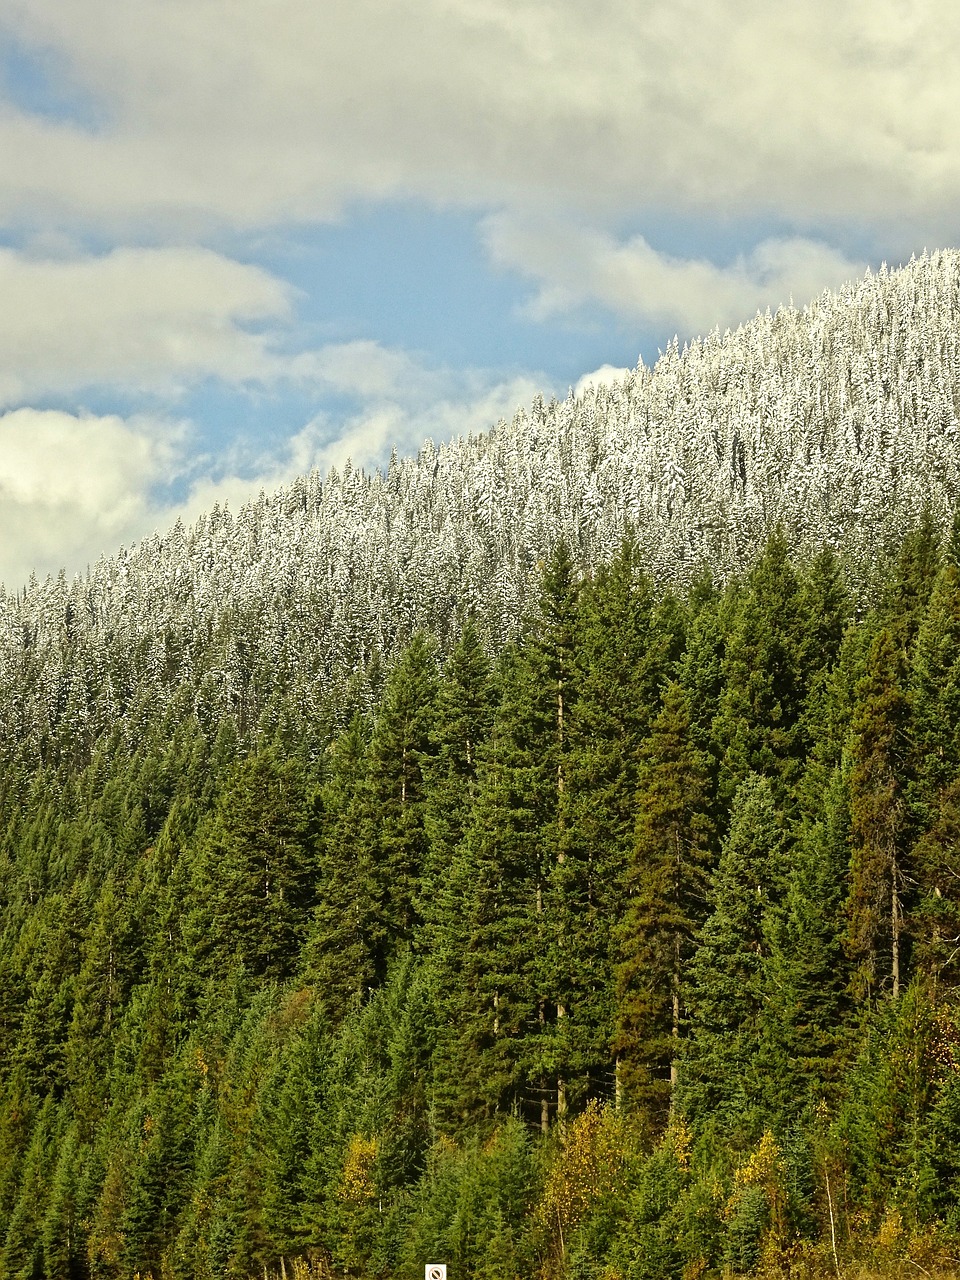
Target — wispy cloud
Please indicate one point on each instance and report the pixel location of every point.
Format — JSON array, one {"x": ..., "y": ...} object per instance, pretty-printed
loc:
[{"x": 576, "y": 266}]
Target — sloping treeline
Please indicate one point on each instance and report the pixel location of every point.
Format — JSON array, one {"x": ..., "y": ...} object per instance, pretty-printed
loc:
[{"x": 630, "y": 953}]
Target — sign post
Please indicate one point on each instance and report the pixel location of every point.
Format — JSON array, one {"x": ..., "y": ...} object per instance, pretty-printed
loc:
[{"x": 435, "y": 1271}]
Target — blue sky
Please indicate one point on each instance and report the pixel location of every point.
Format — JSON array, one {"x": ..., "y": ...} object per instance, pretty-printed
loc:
[{"x": 239, "y": 240}]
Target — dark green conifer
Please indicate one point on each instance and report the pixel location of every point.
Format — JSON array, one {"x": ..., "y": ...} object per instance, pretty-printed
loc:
[
  {"x": 720, "y": 1077},
  {"x": 375, "y": 842},
  {"x": 879, "y": 822},
  {"x": 807, "y": 1003},
  {"x": 345, "y": 933},
  {"x": 766, "y": 681},
  {"x": 259, "y": 865},
  {"x": 464, "y": 714},
  {"x": 666, "y": 902}
]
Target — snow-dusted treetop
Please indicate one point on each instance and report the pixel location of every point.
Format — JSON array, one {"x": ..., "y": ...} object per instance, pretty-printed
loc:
[{"x": 838, "y": 421}]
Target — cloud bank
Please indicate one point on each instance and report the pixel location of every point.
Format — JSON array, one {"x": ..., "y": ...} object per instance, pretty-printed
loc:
[
  {"x": 249, "y": 114},
  {"x": 71, "y": 486},
  {"x": 181, "y": 134}
]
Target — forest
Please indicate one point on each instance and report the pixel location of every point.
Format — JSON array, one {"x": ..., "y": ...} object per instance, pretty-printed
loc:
[
  {"x": 628, "y": 951},
  {"x": 540, "y": 856}
]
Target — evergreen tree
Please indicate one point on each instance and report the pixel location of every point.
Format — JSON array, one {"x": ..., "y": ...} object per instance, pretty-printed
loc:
[
  {"x": 22, "y": 1249},
  {"x": 907, "y": 587},
  {"x": 401, "y": 749},
  {"x": 879, "y": 822},
  {"x": 259, "y": 865},
  {"x": 624, "y": 646},
  {"x": 666, "y": 888},
  {"x": 375, "y": 844},
  {"x": 464, "y": 714},
  {"x": 933, "y": 791},
  {"x": 765, "y": 681},
  {"x": 807, "y": 1007},
  {"x": 720, "y": 1081},
  {"x": 488, "y": 913}
]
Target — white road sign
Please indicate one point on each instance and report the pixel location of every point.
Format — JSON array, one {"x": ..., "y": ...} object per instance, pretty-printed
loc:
[{"x": 435, "y": 1271}]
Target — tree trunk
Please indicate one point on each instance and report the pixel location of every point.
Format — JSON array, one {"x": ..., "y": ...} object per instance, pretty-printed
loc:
[{"x": 895, "y": 924}]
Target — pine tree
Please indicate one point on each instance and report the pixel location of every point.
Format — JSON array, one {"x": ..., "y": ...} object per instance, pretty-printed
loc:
[
  {"x": 908, "y": 585},
  {"x": 719, "y": 1078},
  {"x": 22, "y": 1248},
  {"x": 401, "y": 748},
  {"x": 62, "y": 1231},
  {"x": 807, "y": 1005},
  {"x": 159, "y": 1180},
  {"x": 375, "y": 844},
  {"x": 345, "y": 933},
  {"x": 487, "y": 915},
  {"x": 879, "y": 822},
  {"x": 625, "y": 644},
  {"x": 766, "y": 681},
  {"x": 501, "y": 909},
  {"x": 260, "y": 864},
  {"x": 111, "y": 960},
  {"x": 464, "y": 714},
  {"x": 666, "y": 888},
  {"x": 933, "y": 790}
]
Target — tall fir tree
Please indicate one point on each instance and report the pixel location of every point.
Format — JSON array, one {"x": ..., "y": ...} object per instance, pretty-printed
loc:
[
  {"x": 666, "y": 886},
  {"x": 345, "y": 934},
  {"x": 500, "y": 943},
  {"x": 879, "y": 823},
  {"x": 720, "y": 1079},
  {"x": 806, "y": 1015},
  {"x": 258, "y": 868},
  {"x": 765, "y": 680},
  {"x": 465, "y": 707},
  {"x": 625, "y": 646}
]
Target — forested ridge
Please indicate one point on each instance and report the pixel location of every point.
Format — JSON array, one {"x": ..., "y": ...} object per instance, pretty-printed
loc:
[
  {"x": 585, "y": 906},
  {"x": 837, "y": 422}
]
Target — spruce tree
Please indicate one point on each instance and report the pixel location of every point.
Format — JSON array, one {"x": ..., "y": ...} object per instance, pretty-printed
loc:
[
  {"x": 666, "y": 897},
  {"x": 765, "y": 678},
  {"x": 259, "y": 865},
  {"x": 464, "y": 714},
  {"x": 624, "y": 646},
  {"x": 487, "y": 917},
  {"x": 401, "y": 749},
  {"x": 720, "y": 1077},
  {"x": 345, "y": 934},
  {"x": 879, "y": 822},
  {"x": 933, "y": 789},
  {"x": 807, "y": 1008},
  {"x": 503, "y": 905}
]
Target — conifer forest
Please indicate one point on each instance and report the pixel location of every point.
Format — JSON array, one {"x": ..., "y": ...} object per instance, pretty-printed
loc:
[{"x": 541, "y": 857}]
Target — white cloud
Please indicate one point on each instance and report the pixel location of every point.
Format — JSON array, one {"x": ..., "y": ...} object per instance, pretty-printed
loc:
[
  {"x": 605, "y": 376},
  {"x": 236, "y": 111},
  {"x": 575, "y": 266},
  {"x": 365, "y": 369},
  {"x": 146, "y": 319},
  {"x": 72, "y": 487}
]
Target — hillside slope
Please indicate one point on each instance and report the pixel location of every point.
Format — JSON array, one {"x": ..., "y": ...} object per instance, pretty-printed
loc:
[{"x": 838, "y": 421}]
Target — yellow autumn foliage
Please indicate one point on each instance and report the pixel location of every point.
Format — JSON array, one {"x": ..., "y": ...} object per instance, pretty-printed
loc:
[
  {"x": 357, "y": 1182},
  {"x": 585, "y": 1167}
]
